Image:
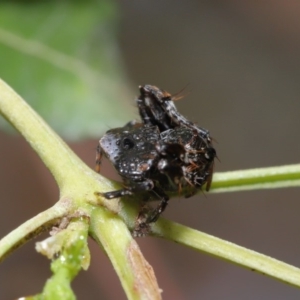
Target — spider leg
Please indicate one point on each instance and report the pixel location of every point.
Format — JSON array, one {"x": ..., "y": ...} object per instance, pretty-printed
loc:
[
  {"x": 145, "y": 113},
  {"x": 180, "y": 120},
  {"x": 145, "y": 185},
  {"x": 99, "y": 154},
  {"x": 151, "y": 111},
  {"x": 166, "y": 102},
  {"x": 159, "y": 209},
  {"x": 116, "y": 194}
]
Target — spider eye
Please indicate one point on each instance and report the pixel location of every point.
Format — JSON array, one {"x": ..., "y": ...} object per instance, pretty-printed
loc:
[{"x": 128, "y": 143}]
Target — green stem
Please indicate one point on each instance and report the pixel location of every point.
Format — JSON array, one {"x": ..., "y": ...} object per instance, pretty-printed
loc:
[
  {"x": 53, "y": 151},
  {"x": 260, "y": 178},
  {"x": 136, "y": 275},
  {"x": 226, "y": 250},
  {"x": 31, "y": 228}
]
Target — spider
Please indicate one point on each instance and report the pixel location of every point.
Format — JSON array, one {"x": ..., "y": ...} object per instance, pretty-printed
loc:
[{"x": 163, "y": 153}]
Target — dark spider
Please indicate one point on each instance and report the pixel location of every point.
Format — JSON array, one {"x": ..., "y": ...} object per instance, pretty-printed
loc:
[{"x": 164, "y": 153}]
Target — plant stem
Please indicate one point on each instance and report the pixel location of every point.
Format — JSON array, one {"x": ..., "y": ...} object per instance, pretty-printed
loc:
[
  {"x": 33, "y": 227},
  {"x": 226, "y": 250},
  {"x": 260, "y": 178},
  {"x": 136, "y": 275},
  {"x": 53, "y": 151}
]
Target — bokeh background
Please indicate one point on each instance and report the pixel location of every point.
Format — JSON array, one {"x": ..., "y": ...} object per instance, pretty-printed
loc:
[{"x": 240, "y": 63}]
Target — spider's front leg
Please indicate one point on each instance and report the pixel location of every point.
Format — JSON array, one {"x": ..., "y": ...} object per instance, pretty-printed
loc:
[
  {"x": 136, "y": 186},
  {"x": 158, "y": 210},
  {"x": 166, "y": 103},
  {"x": 145, "y": 112},
  {"x": 99, "y": 154},
  {"x": 142, "y": 186},
  {"x": 151, "y": 111},
  {"x": 162, "y": 102}
]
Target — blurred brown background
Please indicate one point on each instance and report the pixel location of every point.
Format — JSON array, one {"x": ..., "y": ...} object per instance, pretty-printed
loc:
[{"x": 241, "y": 62}]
